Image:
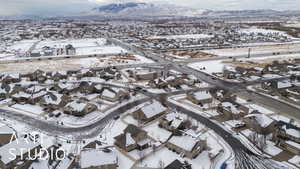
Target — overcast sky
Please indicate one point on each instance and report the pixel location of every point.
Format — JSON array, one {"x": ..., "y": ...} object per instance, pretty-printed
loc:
[{"x": 39, "y": 7}]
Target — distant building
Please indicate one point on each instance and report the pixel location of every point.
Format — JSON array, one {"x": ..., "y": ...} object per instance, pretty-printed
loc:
[{"x": 70, "y": 50}]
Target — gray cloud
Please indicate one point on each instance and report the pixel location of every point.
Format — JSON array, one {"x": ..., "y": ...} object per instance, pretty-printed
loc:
[{"x": 39, "y": 7}]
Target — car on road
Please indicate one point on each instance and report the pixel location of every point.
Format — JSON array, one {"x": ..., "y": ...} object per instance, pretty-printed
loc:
[
  {"x": 238, "y": 126},
  {"x": 116, "y": 117}
]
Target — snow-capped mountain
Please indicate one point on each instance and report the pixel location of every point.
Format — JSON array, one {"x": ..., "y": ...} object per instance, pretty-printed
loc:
[{"x": 133, "y": 9}]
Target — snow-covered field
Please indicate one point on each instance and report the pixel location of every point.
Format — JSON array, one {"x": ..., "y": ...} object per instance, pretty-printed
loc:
[
  {"x": 289, "y": 47},
  {"x": 255, "y": 30},
  {"x": 76, "y": 43},
  {"x": 210, "y": 66},
  {"x": 22, "y": 46},
  {"x": 70, "y": 64},
  {"x": 295, "y": 25},
  {"x": 100, "y": 50}
]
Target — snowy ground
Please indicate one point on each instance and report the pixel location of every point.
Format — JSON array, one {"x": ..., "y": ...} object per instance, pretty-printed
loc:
[
  {"x": 215, "y": 66},
  {"x": 22, "y": 46},
  {"x": 77, "y": 43},
  {"x": 255, "y": 30},
  {"x": 255, "y": 50},
  {"x": 70, "y": 64}
]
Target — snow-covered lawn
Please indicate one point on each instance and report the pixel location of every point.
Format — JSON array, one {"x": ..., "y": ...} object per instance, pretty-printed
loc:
[
  {"x": 34, "y": 109},
  {"x": 157, "y": 133},
  {"x": 295, "y": 160},
  {"x": 272, "y": 149}
]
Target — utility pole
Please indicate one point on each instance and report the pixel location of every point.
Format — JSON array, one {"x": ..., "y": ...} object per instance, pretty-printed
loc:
[{"x": 249, "y": 52}]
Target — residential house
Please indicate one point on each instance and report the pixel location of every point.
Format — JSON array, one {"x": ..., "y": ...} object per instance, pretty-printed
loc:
[
  {"x": 260, "y": 123},
  {"x": 98, "y": 159},
  {"x": 232, "y": 110},
  {"x": 22, "y": 97},
  {"x": 113, "y": 95},
  {"x": 173, "y": 123},
  {"x": 68, "y": 162},
  {"x": 176, "y": 164},
  {"x": 38, "y": 75},
  {"x": 65, "y": 88},
  {"x": 200, "y": 98},
  {"x": 287, "y": 131},
  {"x": 11, "y": 78},
  {"x": 23, "y": 149},
  {"x": 53, "y": 101},
  {"x": 132, "y": 138},
  {"x": 6, "y": 135},
  {"x": 144, "y": 74},
  {"x": 59, "y": 75},
  {"x": 79, "y": 108},
  {"x": 187, "y": 146},
  {"x": 149, "y": 112},
  {"x": 70, "y": 50}
]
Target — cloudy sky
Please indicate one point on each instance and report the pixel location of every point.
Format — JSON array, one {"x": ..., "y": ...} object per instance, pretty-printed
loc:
[{"x": 39, "y": 7}]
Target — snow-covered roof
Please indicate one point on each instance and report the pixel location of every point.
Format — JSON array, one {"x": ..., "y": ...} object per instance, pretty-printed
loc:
[
  {"x": 153, "y": 109},
  {"x": 176, "y": 122},
  {"x": 185, "y": 142},
  {"x": 12, "y": 75},
  {"x": 292, "y": 143},
  {"x": 48, "y": 99},
  {"x": 202, "y": 95},
  {"x": 20, "y": 144},
  {"x": 284, "y": 84},
  {"x": 77, "y": 106},
  {"x": 262, "y": 119},
  {"x": 65, "y": 163},
  {"x": 34, "y": 89},
  {"x": 6, "y": 130},
  {"x": 59, "y": 72},
  {"x": 22, "y": 94},
  {"x": 232, "y": 108},
  {"x": 129, "y": 139},
  {"x": 96, "y": 158},
  {"x": 292, "y": 132},
  {"x": 108, "y": 93}
]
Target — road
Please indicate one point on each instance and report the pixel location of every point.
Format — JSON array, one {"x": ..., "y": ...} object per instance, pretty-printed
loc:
[
  {"x": 244, "y": 158},
  {"x": 88, "y": 131}
]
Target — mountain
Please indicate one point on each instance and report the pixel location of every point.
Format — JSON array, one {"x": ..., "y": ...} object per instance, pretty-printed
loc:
[{"x": 135, "y": 9}]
